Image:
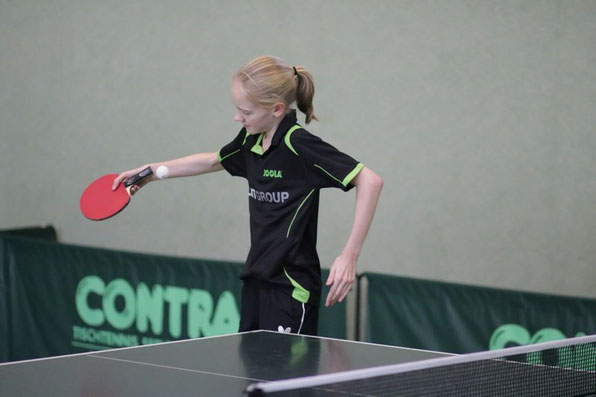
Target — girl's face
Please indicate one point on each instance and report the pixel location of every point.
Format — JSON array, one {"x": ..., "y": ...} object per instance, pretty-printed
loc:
[{"x": 254, "y": 118}]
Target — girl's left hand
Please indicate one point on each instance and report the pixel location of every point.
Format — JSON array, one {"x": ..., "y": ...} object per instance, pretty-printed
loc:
[{"x": 342, "y": 276}]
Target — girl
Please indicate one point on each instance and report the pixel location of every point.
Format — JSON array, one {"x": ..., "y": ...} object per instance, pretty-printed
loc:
[{"x": 285, "y": 166}]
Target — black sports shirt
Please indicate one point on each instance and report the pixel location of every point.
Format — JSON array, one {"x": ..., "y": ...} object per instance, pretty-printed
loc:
[{"x": 283, "y": 194}]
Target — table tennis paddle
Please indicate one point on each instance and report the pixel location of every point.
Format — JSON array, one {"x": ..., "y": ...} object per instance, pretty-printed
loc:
[{"x": 99, "y": 201}]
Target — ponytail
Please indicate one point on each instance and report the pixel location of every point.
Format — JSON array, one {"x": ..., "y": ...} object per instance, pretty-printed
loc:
[
  {"x": 305, "y": 91},
  {"x": 268, "y": 80}
]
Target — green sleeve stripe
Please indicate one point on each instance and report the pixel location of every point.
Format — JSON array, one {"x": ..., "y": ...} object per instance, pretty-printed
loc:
[
  {"x": 225, "y": 157},
  {"x": 287, "y": 138},
  {"x": 298, "y": 210},
  {"x": 234, "y": 152},
  {"x": 299, "y": 293},
  {"x": 326, "y": 172},
  {"x": 352, "y": 174},
  {"x": 348, "y": 178}
]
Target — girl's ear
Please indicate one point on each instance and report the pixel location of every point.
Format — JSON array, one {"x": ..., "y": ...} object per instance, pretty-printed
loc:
[{"x": 279, "y": 109}]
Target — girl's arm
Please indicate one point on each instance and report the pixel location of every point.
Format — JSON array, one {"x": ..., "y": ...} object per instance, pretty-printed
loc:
[
  {"x": 342, "y": 274},
  {"x": 196, "y": 164}
]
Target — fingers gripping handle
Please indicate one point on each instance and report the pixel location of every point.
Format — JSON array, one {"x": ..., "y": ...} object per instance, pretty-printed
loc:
[{"x": 138, "y": 178}]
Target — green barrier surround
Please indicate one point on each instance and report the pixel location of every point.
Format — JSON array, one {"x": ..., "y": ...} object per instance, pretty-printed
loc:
[
  {"x": 60, "y": 299},
  {"x": 461, "y": 319}
]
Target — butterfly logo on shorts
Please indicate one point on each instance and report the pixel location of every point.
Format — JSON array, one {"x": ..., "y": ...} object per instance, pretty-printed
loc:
[{"x": 282, "y": 330}]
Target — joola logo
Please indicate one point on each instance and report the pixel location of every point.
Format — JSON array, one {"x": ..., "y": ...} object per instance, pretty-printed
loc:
[{"x": 272, "y": 173}]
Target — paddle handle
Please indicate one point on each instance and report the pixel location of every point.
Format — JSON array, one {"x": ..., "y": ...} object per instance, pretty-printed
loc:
[{"x": 138, "y": 178}]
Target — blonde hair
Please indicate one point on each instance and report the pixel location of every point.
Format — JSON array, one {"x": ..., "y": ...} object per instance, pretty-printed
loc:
[{"x": 268, "y": 80}]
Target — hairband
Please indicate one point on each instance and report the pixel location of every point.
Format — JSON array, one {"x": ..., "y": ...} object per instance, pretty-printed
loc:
[{"x": 295, "y": 71}]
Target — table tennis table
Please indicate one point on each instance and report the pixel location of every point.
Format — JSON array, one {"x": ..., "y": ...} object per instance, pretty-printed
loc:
[
  {"x": 213, "y": 366},
  {"x": 249, "y": 363}
]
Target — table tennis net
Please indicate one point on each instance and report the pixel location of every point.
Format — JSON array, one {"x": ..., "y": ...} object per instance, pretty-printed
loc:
[{"x": 560, "y": 368}]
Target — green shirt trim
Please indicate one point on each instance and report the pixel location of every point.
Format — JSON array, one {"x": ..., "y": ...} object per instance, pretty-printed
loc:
[
  {"x": 234, "y": 152},
  {"x": 257, "y": 147},
  {"x": 225, "y": 157},
  {"x": 287, "y": 138},
  {"x": 297, "y": 211},
  {"x": 348, "y": 178},
  {"x": 299, "y": 293},
  {"x": 352, "y": 174}
]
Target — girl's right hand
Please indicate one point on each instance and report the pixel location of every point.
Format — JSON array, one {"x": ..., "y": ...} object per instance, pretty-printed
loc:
[{"x": 127, "y": 174}]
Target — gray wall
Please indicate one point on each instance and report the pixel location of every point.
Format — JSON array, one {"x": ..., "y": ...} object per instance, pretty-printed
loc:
[{"x": 479, "y": 115}]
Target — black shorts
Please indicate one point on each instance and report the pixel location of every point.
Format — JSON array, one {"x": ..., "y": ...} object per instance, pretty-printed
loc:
[{"x": 269, "y": 306}]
